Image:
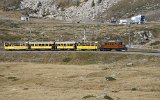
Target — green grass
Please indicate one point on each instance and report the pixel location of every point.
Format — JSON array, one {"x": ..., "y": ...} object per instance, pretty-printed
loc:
[
  {"x": 9, "y": 3},
  {"x": 155, "y": 43},
  {"x": 9, "y": 24},
  {"x": 77, "y": 58}
]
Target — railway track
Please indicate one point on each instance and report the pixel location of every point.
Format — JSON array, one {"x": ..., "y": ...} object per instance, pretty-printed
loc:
[{"x": 120, "y": 52}]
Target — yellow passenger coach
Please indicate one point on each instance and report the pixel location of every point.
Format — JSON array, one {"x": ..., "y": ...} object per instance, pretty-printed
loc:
[
  {"x": 41, "y": 45},
  {"x": 87, "y": 46},
  {"x": 15, "y": 46},
  {"x": 69, "y": 45}
]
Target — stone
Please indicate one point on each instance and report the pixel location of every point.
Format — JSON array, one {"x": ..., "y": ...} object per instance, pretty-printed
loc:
[
  {"x": 83, "y": 12},
  {"x": 130, "y": 64}
]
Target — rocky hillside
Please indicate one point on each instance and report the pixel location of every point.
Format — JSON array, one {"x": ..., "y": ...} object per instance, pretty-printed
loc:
[
  {"x": 85, "y": 10},
  {"x": 82, "y": 10},
  {"x": 70, "y": 10}
]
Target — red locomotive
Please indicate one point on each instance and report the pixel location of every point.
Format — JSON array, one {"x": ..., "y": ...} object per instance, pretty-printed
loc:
[{"x": 113, "y": 45}]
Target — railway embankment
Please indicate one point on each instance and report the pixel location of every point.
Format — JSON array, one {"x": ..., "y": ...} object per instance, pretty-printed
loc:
[{"x": 77, "y": 58}]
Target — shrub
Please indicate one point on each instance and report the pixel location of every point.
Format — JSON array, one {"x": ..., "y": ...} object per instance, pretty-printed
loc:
[
  {"x": 88, "y": 96},
  {"x": 110, "y": 79},
  {"x": 66, "y": 60},
  {"x": 155, "y": 43},
  {"x": 107, "y": 97}
]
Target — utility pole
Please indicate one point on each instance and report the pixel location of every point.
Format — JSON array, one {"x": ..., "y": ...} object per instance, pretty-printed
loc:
[
  {"x": 84, "y": 35},
  {"x": 30, "y": 32},
  {"x": 129, "y": 37},
  {"x": 29, "y": 35}
]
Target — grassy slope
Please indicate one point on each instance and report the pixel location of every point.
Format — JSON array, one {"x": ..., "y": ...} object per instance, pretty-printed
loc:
[
  {"x": 14, "y": 30},
  {"x": 9, "y": 3},
  {"x": 79, "y": 58},
  {"x": 121, "y": 80},
  {"x": 126, "y": 8},
  {"x": 60, "y": 3}
]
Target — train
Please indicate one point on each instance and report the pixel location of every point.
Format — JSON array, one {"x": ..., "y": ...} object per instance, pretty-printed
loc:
[{"x": 66, "y": 45}]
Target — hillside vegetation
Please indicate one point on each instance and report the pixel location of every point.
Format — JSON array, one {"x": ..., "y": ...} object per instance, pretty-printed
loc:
[
  {"x": 60, "y": 3},
  {"x": 128, "y": 8},
  {"x": 9, "y": 3},
  {"x": 75, "y": 58}
]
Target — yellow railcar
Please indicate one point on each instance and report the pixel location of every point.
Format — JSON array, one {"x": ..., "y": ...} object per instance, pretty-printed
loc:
[
  {"x": 16, "y": 46},
  {"x": 41, "y": 45},
  {"x": 87, "y": 46},
  {"x": 65, "y": 45}
]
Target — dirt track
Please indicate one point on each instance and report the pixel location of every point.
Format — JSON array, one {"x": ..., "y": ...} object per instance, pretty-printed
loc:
[{"x": 139, "y": 80}]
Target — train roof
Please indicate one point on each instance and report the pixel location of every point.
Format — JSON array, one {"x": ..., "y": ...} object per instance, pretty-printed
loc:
[
  {"x": 111, "y": 41},
  {"x": 66, "y": 42},
  {"x": 45, "y": 42}
]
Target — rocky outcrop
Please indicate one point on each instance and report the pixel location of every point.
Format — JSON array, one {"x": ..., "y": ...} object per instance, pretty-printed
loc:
[
  {"x": 87, "y": 10},
  {"x": 39, "y": 8}
]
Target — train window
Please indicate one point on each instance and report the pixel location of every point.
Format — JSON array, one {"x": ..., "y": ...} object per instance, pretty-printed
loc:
[
  {"x": 15, "y": 44},
  {"x": 7, "y": 45},
  {"x": 50, "y": 44},
  {"x": 36, "y": 45},
  {"x": 42, "y": 44}
]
